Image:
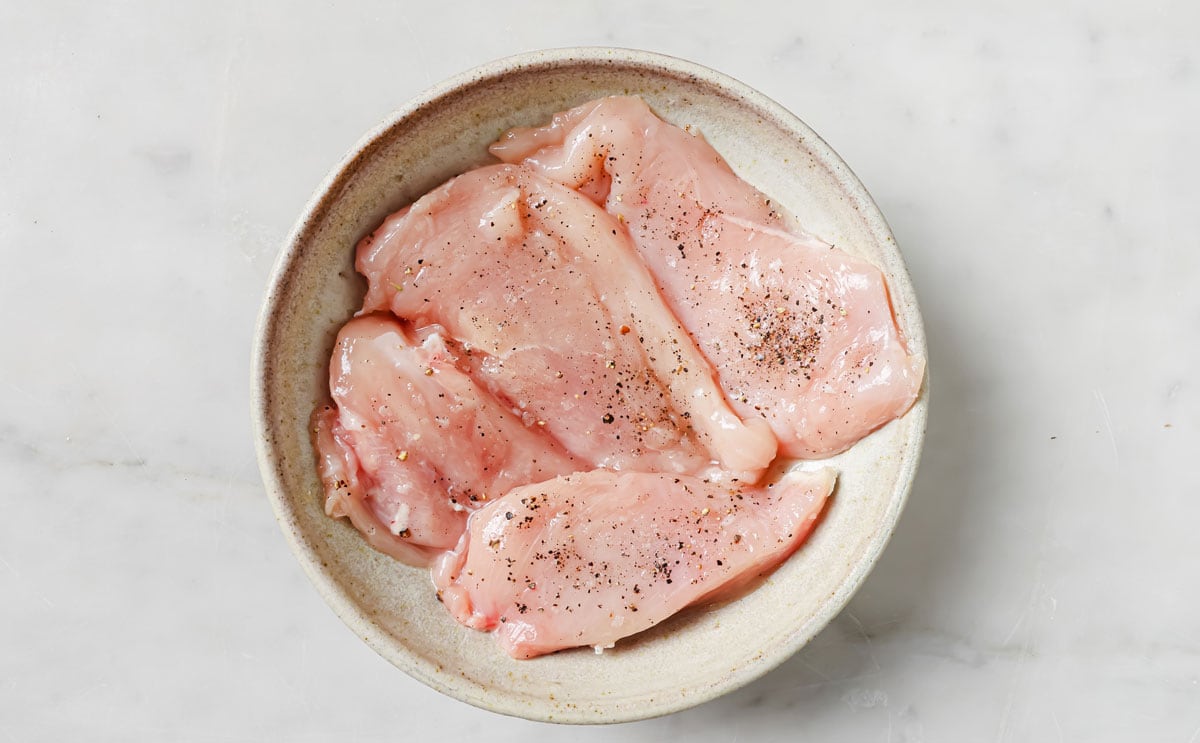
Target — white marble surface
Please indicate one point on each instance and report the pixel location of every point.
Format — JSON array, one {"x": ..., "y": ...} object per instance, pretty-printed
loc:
[{"x": 1039, "y": 167}]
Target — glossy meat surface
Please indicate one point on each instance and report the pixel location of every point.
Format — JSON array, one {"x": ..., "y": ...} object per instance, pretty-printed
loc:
[
  {"x": 412, "y": 443},
  {"x": 803, "y": 334},
  {"x": 597, "y": 556},
  {"x": 553, "y": 312}
]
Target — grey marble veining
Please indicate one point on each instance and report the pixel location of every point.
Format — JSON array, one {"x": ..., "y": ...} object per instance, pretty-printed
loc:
[{"x": 1036, "y": 164}]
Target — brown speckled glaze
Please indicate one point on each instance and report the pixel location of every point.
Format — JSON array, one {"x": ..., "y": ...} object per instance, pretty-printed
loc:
[{"x": 695, "y": 656}]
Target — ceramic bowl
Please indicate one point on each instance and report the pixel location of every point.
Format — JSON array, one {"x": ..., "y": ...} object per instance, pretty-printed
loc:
[{"x": 692, "y": 657}]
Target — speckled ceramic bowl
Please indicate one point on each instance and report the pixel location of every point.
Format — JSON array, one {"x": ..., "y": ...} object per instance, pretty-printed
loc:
[{"x": 697, "y": 655}]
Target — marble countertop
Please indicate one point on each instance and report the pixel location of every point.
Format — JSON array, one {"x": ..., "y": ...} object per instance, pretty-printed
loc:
[{"x": 1038, "y": 167}]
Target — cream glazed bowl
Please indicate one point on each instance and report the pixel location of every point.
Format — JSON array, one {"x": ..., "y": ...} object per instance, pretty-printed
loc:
[{"x": 697, "y": 655}]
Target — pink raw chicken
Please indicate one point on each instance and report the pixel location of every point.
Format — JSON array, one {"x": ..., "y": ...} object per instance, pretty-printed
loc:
[
  {"x": 557, "y": 317},
  {"x": 597, "y": 556},
  {"x": 803, "y": 335},
  {"x": 413, "y": 443}
]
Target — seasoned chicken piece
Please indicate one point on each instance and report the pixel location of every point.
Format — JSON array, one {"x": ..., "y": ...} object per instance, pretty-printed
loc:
[
  {"x": 802, "y": 334},
  {"x": 553, "y": 312},
  {"x": 596, "y": 556},
  {"x": 412, "y": 443}
]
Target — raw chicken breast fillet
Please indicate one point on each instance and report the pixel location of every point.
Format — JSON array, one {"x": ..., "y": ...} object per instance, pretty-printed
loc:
[
  {"x": 554, "y": 313},
  {"x": 802, "y": 334},
  {"x": 412, "y": 443},
  {"x": 572, "y": 369},
  {"x": 593, "y": 557}
]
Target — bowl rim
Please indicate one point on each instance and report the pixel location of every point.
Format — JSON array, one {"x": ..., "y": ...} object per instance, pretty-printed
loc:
[{"x": 311, "y": 218}]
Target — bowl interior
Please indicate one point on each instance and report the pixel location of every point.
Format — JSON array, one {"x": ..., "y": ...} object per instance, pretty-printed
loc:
[{"x": 694, "y": 656}]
